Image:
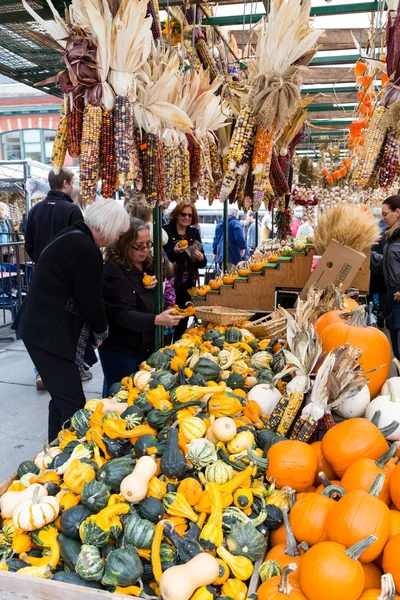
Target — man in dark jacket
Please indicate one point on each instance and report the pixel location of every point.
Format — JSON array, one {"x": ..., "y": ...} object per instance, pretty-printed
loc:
[
  {"x": 237, "y": 247},
  {"x": 46, "y": 219},
  {"x": 52, "y": 214}
]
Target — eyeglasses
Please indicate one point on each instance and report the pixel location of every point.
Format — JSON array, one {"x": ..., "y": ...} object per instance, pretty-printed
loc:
[
  {"x": 384, "y": 215},
  {"x": 141, "y": 247},
  {"x": 187, "y": 215}
]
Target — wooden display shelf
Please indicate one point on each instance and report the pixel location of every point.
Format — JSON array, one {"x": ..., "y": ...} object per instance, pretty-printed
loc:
[{"x": 256, "y": 292}]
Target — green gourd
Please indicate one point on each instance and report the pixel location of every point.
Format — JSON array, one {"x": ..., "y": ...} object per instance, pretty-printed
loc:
[
  {"x": 245, "y": 540},
  {"x": 269, "y": 569},
  {"x": 219, "y": 472},
  {"x": 151, "y": 509},
  {"x": 69, "y": 550},
  {"x": 164, "y": 378},
  {"x": 208, "y": 369},
  {"x": 72, "y": 518},
  {"x": 74, "y": 579},
  {"x": 114, "y": 471},
  {"x": 138, "y": 532},
  {"x": 123, "y": 567},
  {"x": 27, "y": 466},
  {"x": 95, "y": 495},
  {"x": 133, "y": 417},
  {"x": 236, "y": 381},
  {"x": 173, "y": 462},
  {"x": 80, "y": 420},
  {"x": 89, "y": 565},
  {"x": 233, "y": 335}
]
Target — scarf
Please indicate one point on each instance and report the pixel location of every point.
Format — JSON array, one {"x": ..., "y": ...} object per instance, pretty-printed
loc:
[{"x": 390, "y": 232}]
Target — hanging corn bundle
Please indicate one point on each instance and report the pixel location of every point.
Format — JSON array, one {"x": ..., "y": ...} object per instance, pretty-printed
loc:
[
  {"x": 60, "y": 140},
  {"x": 216, "y": 168},
  {"x": 201, "y": 47},
  {"x": 149, "y": 160},
  {"x": 390, "y": 158},
  {"x": 107, "y": 155},
  {"x": 75, "y": 122},
  {"x": 161, "y": 192},
  {"x": 153, "y": 12},
  {"x": 169, "y": 169},
  {"x": 367, "y": 163},
  {"x": 90, "y": 152},
  {"x": 177, "y": 189},
  {"x": 277, "y": 177},
  {"x": 185, "y": 172}
]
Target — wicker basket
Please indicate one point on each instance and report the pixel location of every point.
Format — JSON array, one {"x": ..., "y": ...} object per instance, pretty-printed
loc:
[
  {"x": 270, "y": 326},
  {"x": 220, "y": 315}
]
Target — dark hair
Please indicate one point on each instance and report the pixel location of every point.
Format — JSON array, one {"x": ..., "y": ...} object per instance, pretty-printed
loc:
[
  {"x": 56, "y": 181},
  {"x": 393, "y": 202},
  {"x": 139, "y": 210},
  {"x": 117, "y": 252},
  {"x": 179, "y": 208}
]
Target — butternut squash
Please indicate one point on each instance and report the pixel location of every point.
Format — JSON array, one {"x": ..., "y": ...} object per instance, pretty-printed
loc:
[
  {"x": 180, "y": 582},
  {"x": 134, "y": 486},
  {"x": 11, "y": 500}
]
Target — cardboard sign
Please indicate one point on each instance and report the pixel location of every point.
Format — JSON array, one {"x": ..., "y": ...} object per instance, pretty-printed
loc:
[{"x": 339, "y": 265}]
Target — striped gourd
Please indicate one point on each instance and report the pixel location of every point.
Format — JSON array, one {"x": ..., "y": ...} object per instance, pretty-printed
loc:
[
  {"x": 107, "y": 155},
  {"x": 206, "y": 58},
  {"x": 123, "y": 137},
  {"x": 185, "y": 172},
  {"x": 60, "y": 140},
  {"x": 90, "y": 152},
  {"x": 161, "y": 192},
  {"x": 390, "y": 159},
  {"x": 366, "y": 163},
  {"x": 75, "y": 124}
]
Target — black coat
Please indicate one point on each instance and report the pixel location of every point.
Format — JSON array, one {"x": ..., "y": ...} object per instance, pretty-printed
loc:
[
  {"x": 46, "y": 219},
  {"x": 130, "y": 311},
  {"x": 186, "y": 269},
  {"x": 64, "y": 305}
]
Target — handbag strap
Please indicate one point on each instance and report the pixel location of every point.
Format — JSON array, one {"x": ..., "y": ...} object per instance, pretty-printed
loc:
[{"x": 60, "y": 237}]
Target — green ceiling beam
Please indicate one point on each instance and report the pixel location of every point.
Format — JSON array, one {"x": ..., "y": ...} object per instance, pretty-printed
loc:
[
  {"x": 329, "y": 9},
  {"x": 333, "y": 89},
  {"x": 332, "y": 123},
  {"x": 334, "y": 59},
  {"x": 325, "y": 106}
]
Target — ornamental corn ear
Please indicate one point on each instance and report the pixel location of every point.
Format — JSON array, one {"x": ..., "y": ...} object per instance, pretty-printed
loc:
[
  {"x": 177, "y": 190},
  {"x": 90, "y": 152},
  {"x": 185, "y": 172},
  {"x": 207, "y": 59},
  {"x": 123, "y": 137},
  {"x": 107, "y": 155},
  {"x": 150, "y": 167},
  {"x": 366, "y": 163},
  {"x": 390, "y": 159},
  {"x": 216, "y": 168},
  {"x": 60, "y": 140},
  {"x": 169, "y": 167},
  {"x": 292, "y": 408},
  {"x": 75, "y": 124}
]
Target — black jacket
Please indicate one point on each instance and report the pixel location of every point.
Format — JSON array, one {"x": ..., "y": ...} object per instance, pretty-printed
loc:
[
  {"x": 64, "y": 304},
  {"x": 130, "y": 311},
  {"x": 46, "y": 219},
  {"x": 389, "y": 262},
  {"x": 186, "y": 270}
]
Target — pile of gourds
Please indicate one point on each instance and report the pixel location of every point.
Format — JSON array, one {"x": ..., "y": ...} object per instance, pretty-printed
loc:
[{"x": 169, "y": 488}]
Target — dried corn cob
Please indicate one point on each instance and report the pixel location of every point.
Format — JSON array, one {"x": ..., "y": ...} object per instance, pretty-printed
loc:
[
  {"x": 177, "y": 191},
  {"x": 123, "y": 137},
  {"x": 390, "y": 159},
  {"x": 215, "y": 165},
  {"x": 297, "y": 427},
  {"x": 328, "y": 422},
  {"x": 206, "y": 58},
  {"x": 135, "y": 160},
  {"x": 150, "y": 166},
  {"x": 90, "y": 152},
  {"x": 292, "y": 408},
  {"x": 366, "y": 162},
  {"x": 193, "y": 58},
  {"x": 195, "y": 163},
  {"x": 75, "y": 124},
  {"x": 277, "y": 178},
  {"x": 107, "y": 155},
  {"x": 169, "y": 169},
  {"x": 152, "y": 11},
  {"x": 262, "y": 152},
  {"x": 185, "y": 172},
  {"x": 60, "y": 140},
  {"x": 278, "y": 412},
  {"x": 308, "y": 429},
  {"x": 161, "y": 195},
  {"x": 205, "y": 169}
]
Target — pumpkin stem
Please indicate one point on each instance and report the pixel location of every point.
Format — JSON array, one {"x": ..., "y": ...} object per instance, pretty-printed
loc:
[
  {"x": 384, "y": 459},
  {"x": 377, "y": 486},
  {"x": 355, "y": 551},
  {"x": 334, "y": 491},
  {"x": 391, "y": 392},
  {"x": 323, "y": 479},
  {"x": 357, "y": 318},
  {"x": 389, "y": 429},
  {"x": 388, "y": 589},
  {"x": 284, "y": 586},
  {"x": 35, "y": 494},
  {"x": 376, "y": 418},
  {"x": 397, "y": 363},
  {"x": 291, "y": 544}
]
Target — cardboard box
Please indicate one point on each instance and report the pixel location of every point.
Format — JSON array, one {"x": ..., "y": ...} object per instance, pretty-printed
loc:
[{"x": 339, "y": 265}]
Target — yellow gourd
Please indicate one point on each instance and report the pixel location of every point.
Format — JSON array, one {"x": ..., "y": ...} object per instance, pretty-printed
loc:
[
  {"x": 180, "y": 582},
  {"x": 240, "y": 442},
  {"x": 77, "y": 474},
  {"x": 192, "y": 428},
  {"x": 241, "y": 567},
  {"x": 211, "y": 535},
  {"x": 157, "y": 488},
  {"x": 10, "y": 500},
  {"x": 234, "y": 588},
  {"x": 134, "y": 486}
]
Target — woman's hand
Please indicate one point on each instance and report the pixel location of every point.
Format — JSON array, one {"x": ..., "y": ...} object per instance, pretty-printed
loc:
[
  {"x": 153, "y": 283},
  {"x": 178, "y": 249},
  {"x": 197, "y": 255},
  {"x": 168, "y": 319},
  {"x": 397, "y": 296}
]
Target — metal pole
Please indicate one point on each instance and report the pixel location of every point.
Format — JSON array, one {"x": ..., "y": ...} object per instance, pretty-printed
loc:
[
  {"x": 225, "y": 236},
  {"x": 27, "y": 175},
  {"x": 158, "y": 272},
  {"x": 256, "y": 221},
  {"x": 272, "y": 221}
]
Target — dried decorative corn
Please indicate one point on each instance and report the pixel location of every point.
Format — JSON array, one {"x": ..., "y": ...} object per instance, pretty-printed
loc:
[
  {"x": 195, "y": 163},
  {"x": 277, "y": 178},
  {"x": 161, "y": 192},
  {"x": 206, "y": 58},
  {"x": 135, "y": 161},
  {"x": 107, "y": 155},
  {"x": 60, "y": 140},
  {"x": 152, "y": 11},
  {"x": 205, "y": 169},
  {"x": 169, "y": 169},
  {"x": 123, "y": 137},
  {"x": 149, "y": 150},
  {"x": 90, "y": 152},
  {"x": 75, "y": 124},
  {"x": 185, "y": 172},
  {"x": 216, "y": 168},
  {"x": 390, "y": 159},
  {"x": 291, "y": 411},
  {"x": 278, "y": 412},
  {"x": 308, "y": 429},
  {"x": 177, "y": 190},
  {"x": 366, "y": 163}
]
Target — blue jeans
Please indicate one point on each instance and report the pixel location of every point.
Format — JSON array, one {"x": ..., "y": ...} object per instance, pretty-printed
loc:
[{"x": 116, "y": 365}]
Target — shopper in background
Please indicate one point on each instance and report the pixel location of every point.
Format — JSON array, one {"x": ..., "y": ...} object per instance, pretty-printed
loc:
[
  {"x": 237, "y": 247},
  {"x": 294, "y": 227},
  {"x": 266, "y": 227},
  {"x": 165, "y": 206},
  {"x": 187, "y": 260},
  {"x": 389, "y": 261},
  {"x": 63, "y": 314},
  {"x": 130, "y": 305},
  {"x": 251, "y": 232},
  {"x": 7, "y": 234},
  {"x": 306, "y": 229}
]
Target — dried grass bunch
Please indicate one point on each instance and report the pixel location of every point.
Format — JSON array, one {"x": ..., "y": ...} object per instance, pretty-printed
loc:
[{"x": 348, "y": 225}]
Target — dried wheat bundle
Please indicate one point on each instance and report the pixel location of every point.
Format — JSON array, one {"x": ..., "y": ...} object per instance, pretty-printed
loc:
[{"x": 348, "y": 225}]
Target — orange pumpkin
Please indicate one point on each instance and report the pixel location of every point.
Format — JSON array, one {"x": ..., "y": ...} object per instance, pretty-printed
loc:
[
  {"x": 372, "y": 574},
  {"x": 394, "y": 527},
  {"x": 352, "y": 439},
  {"x": 243, "y": 272},
  {"x": 328, "y": 318},
  {"x": 287, "y": 552},
  {"x": 215, "y": 284},
  {"x": 292, "y": 463},
  {"x": 309, "y": 518},
  {"x": 256, "y": 266},
  {"x": 390, "y": 561},
  {"x": 322, "y": 464},
  {"x": 350, "y": 303},
  {"x": 375, "y": 346},
  {"x": 363, "y": 472},
  {"x": 394, "y": 486},
  {"x": 279, "y": 588},
  {"x": 358, "y": 514},
  {"x": 228, "y": 279},
  {"x": 277, "y": 536},
  {"x": 385, "y": 591},
  {"x": 329, "y": 571}
]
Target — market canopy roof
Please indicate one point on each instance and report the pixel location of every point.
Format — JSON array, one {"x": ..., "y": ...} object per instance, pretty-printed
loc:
[{"x": 28, "y": 56}]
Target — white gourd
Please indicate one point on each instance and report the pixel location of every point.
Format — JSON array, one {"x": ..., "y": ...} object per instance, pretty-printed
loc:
[
  {"x": 267, "y": 397},
  {"x": 389, "y": 407},
  {"x": 356, "y": 406},
  {"x": 36, "y": 512},
  {"x": 11, "y": 500}
]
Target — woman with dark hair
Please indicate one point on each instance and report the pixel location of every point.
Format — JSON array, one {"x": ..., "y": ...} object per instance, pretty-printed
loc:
[
  {"x": 130, "y": 305},
  {"x": 390, "y": 261},
  {"x": 182, "y": 228}
]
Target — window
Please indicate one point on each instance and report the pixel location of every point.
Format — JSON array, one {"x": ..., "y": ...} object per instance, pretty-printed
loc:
[{"x": 36, "y": 144}]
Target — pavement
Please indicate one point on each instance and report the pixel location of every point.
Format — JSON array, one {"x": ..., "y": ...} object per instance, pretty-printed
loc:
[{"x": 23, "y": 423}]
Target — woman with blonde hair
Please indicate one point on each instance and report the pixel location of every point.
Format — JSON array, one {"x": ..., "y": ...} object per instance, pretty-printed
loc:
[{"x": 63, "y": 314}]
